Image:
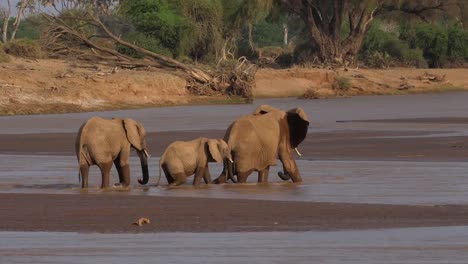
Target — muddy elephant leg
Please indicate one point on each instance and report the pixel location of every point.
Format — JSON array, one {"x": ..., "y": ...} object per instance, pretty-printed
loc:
[
  {"x": 180, "y": 179},
  {"x": 263, "y": 175},
  {"x": 84, "y": 171},
  {"x": 168, "y": 175},
  {"x": 242, "y": 176},
  {"x": 199, "y": 173},
  {"x": 289, "y": 165},
  {"x": 221, "y": 179},
  {"x": 105, "y": 173},
  {"x": 124, "y": 173},
  {"x": 207, "y": 175}
]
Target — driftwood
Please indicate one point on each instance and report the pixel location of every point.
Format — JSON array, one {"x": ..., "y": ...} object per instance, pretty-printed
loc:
[{"x": 63, "y": 39}]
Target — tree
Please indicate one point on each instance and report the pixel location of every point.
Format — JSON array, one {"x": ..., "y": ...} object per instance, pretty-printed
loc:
[
  {"x": 5, "y": 14},
  {"x": 324, "y": 20},
  {"x": 77, "y": 32}
]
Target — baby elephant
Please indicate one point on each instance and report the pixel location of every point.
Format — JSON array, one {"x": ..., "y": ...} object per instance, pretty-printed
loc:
[{"x": 184, "y": 158}]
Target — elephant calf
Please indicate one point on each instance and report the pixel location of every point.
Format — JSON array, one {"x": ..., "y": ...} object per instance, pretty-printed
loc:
[
  {"x": 184, "y": 158},
  {"x": 102, "y": 142}
]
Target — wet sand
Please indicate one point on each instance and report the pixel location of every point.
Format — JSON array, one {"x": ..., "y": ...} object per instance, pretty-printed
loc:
[
  {"x": 110, "y": 213},
  {"x": 330, "y": 145}
]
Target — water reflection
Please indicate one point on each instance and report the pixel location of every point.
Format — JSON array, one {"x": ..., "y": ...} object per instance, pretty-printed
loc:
[
  {"x": 324, "y": 181},
  {"x": 399, "y": 246}
]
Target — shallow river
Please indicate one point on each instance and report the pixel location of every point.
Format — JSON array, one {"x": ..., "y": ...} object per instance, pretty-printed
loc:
[
  {"x": 324, "y": 181},
  {"x": 435, "y": 245}
]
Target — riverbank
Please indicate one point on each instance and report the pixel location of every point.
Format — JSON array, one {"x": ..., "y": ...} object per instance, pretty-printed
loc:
[{"x": 58, "y": 86}]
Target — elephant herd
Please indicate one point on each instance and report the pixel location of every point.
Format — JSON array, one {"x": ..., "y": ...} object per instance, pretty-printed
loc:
[{"x": 251, "y": 143}]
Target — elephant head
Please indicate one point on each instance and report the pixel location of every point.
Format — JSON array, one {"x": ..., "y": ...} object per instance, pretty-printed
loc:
[
  {"x": 219, "y": 150},
  {"x": 136, "y": 135},
  {"x": 298, "y": 125}
]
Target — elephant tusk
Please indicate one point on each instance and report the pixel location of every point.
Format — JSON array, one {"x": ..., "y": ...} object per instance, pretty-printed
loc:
[
  {"x": 231, "y": 160},
  {"x": 297, "y": 151},
  {"x": 146, "y": 153}
]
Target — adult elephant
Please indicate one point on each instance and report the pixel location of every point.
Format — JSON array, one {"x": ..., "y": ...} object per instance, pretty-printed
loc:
[
  {"x": 259, "y": 139},
  {"x": 102, "y": 142}
]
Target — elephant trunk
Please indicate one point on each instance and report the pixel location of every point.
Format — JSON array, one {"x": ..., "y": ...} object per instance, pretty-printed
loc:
[
  {"x": 284, "y": 176},
  {"x": 229, "y": 165},
  {"x": 290, "y": 170},
  {"x": 144, "y": 168}
]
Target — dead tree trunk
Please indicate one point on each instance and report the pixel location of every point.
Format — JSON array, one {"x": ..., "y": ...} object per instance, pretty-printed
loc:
[{"x": 238, "y": 81}]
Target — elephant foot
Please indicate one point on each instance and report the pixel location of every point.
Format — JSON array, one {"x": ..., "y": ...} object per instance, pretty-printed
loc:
[
  {"x": 121, "y": 185},
  {"x": 284, "y": 176},
  {"x": 220, "y": 180}
]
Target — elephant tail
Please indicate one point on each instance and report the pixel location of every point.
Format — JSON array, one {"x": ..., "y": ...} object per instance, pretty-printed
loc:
[
  {"x": 82, "y": 153},
  {"x": 85, "y": 154}
]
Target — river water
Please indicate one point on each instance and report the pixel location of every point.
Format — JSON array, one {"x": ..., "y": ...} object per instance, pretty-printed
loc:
[
  {"x": 434, "y": 245},
  {"x": 387, "y": 182}
]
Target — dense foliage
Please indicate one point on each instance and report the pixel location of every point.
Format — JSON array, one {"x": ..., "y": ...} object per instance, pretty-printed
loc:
[{"x": 209, "y": 30}]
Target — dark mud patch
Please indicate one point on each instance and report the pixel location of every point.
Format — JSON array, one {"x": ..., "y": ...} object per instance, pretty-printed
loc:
[
  {"x": 116, "y": 213},
  {"x": 334, "y": 145}
]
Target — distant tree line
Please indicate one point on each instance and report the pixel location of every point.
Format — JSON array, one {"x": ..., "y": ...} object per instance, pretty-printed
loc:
[{"x": 376, "y": 33}]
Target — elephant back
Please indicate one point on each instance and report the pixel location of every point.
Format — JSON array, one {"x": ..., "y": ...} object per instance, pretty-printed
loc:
[{"x": 254, "y": 141}]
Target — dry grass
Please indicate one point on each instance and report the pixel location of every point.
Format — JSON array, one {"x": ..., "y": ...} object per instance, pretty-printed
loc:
[{"x": 3, "y": 56}]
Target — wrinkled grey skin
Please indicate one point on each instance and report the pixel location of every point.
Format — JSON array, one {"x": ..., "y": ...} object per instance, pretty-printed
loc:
[{"x": 102, "y": 142}]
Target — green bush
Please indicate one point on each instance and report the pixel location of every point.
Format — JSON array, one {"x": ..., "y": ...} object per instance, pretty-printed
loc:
[
  {"x": 30, "y": 28},
  {"x": 457, "y": 42},
  {"x": 139, "y": 39},
  {"x": 3, "y": 56},
  {"x": 377, "y": 59},
  {"x": 400, "y": 50},
  {"x": 342, "y": 84},
  {"x": 395, "y": 48},
  {"x": 375, "y": 39},
  {"x": 159, "y": 20},
  {"x": 24, "y": 48},
  {"x": 382, "y": 49},
  {"x": 415, "y": 57},
  {"x": 431, "y": 39}
]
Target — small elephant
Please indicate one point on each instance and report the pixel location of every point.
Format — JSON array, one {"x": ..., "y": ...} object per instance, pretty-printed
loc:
[
  {"x": 102, "y": 142},
  {"x": 257, "y": 140},
  {"x": 184, "y": 158}
]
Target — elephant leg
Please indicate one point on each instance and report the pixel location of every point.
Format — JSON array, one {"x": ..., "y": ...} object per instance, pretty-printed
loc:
[
  {"x": 221, "y": 179},
  {"x": 119, "y": 170},
  {"x": 199, "y": 173},
  {"x": 105, "y": 173},
  {"x": 84, "y": 171},
  {"x": 207, "y": 175},
  {"x": 124, "y": 174},
  {"x": 289, "y": 166},
  {"x": 180, "y": 179},
  {"x": 242, "y": 176},
  {"x": 263, "y": 175},
  {"x": 168, "y": 175}
]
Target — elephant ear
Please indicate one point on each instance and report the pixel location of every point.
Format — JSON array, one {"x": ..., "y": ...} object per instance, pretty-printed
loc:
[
  {"x": 214, "y": 147},
  {"x": 135, "y": 133},
  {"x": 298, "y": 123},
  {"x": 264, "y": 109}
]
